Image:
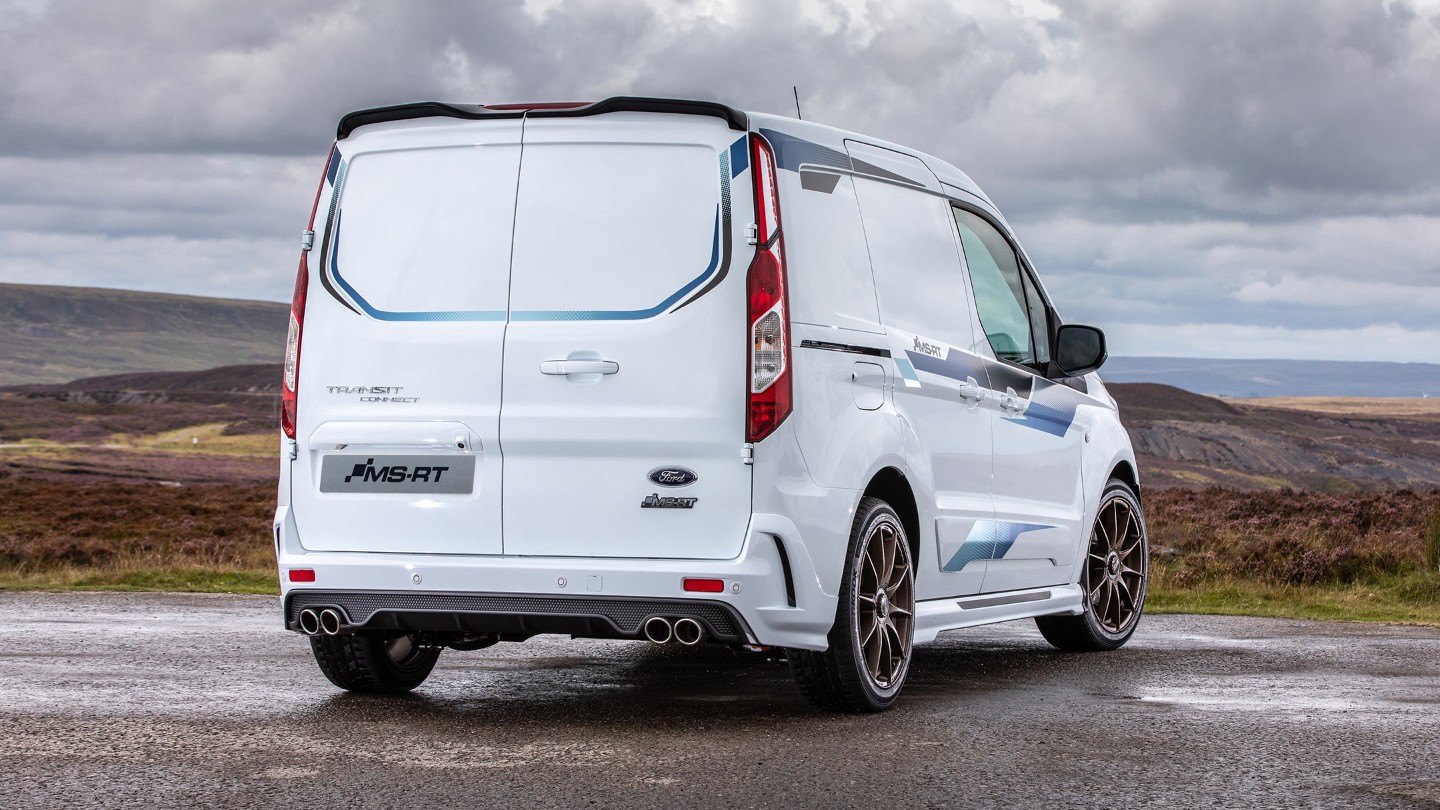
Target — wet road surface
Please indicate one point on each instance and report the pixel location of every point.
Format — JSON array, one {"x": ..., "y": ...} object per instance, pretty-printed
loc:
[{"x": 162, "y": 700}]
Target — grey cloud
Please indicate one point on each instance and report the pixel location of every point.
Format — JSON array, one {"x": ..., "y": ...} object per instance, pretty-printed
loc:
[{"x": 1218, "y": 163}]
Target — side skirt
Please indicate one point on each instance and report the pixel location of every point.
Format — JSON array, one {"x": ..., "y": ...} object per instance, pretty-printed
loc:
[{"x": 935, "y": 616}]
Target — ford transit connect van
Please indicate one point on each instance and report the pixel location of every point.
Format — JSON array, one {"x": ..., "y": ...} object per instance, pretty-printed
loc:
[{"x": 668, "y": 371}]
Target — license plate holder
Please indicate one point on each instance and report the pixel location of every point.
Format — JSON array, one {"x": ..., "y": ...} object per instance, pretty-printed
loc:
[{"x": 429, "y": 474}]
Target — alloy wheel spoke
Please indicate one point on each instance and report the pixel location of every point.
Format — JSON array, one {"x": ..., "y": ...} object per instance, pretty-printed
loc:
[
  {"x": 1122, "y": 534},
  {"x": 873, "y": 649},
  {"x": 869, "y": 634}
]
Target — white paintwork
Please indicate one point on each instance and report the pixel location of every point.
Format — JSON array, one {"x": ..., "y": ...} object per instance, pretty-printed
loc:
[{"x": 566, "y": 417}]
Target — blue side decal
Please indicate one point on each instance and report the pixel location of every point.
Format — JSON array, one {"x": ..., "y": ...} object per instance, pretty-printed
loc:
[
  {"x": 1052, "y": 409},
  {"x": 739, "y": 156},
  {"x": 907, "y": 372},
  {"x": 970, "y": 551},
  {"x": 791, "y": 152},
  {"x": 628, "y": 315},
  {"x": 989, "y": 540},
  {"x": 957, "y": 365},
  {"x": 333, "y": 167},
  {"x": 385, "y": 315}
]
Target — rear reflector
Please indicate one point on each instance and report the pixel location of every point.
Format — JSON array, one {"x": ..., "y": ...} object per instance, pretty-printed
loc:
[
  {"x": 694, "y": 585},
  {"x": 302, "y": 575}
]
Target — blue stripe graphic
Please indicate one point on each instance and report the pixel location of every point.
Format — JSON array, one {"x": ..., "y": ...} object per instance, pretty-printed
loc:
[
  {"x": 633, "y": 314},
  {"x": 739, "y": 156},
  {"x": 386, "y": 315},
  {"x": 989, "y": 540},
  {"x": 957, "y": 365},
  {"x": 791, "y": 152},
  {"x": 1051, "y": 408}
]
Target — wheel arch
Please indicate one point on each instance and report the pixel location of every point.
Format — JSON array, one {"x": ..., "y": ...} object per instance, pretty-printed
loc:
[
  {"x": 1125, "y": 471},
  {"x": 890, "y": 485}
]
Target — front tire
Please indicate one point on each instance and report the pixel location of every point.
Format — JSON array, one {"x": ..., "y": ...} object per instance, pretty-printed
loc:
[
  {"x": 870, "y": 644},
  {"x": 1114, "y": 579},
  {"x": 370, "y": 662}
]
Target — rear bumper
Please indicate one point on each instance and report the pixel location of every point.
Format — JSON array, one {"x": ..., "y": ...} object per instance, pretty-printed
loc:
[
  {"x": 592, "y": 617},
  {"x": 602, "y": 597}
]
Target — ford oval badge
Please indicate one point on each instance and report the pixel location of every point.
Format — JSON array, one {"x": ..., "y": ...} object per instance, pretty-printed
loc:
[{"x": 673, "y": 477}]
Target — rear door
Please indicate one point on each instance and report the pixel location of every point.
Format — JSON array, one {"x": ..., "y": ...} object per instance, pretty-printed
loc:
[
  {"x": 398, "y": 416},
  {"x": 624, "y": 370}
]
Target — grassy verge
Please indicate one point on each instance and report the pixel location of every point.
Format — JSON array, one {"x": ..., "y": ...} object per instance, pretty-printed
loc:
[
  {"x": 171, "y": 578},
  {"x": 1410, "y": 598}
]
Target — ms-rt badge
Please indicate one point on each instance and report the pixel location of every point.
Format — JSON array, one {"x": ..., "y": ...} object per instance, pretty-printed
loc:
[{"x": 424, "y": 475}]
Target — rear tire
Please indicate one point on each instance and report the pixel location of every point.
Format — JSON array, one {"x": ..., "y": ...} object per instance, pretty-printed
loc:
[
  {"x": 1114, "y": 578},
  {"x": 369, "y": 662},
  {"x": 870, "y": 644}
]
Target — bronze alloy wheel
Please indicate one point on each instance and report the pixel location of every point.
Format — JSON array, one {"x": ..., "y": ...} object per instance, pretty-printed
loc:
[
  {"x": 885, "y": 603},
  {"x": 1114, "y": 577},
  {"x": 1116, "y": 566},
  {"x": 864, "y": 668}
]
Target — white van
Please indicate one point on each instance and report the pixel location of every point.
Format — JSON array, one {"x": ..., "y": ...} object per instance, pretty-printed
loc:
[{"x": 664, "y": 370}]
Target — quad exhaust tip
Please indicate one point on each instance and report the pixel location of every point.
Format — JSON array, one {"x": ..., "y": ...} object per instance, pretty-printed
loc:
[
  {"x": 330, "y": 622},
  {"x": 310, "y": 622},
  {"x": 688, "y": 632},
  {"x": 658, "y": 629}
]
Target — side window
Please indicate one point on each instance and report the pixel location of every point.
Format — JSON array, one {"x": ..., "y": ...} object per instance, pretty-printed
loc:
[{"x": 1011, "y": 309}]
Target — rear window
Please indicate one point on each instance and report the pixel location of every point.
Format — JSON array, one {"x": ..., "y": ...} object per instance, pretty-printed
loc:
[
  {"x": 428, "y": 230},
  {"x": 613, "y": 230}
]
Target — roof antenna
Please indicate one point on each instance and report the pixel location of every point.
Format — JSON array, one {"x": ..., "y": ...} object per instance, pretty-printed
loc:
[{"x": 796, "y": 90}]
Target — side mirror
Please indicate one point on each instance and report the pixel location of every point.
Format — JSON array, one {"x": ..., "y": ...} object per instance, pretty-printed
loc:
[{"x": 1078, "y": 350}]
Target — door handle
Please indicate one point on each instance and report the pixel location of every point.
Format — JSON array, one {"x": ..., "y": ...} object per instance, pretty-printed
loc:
[
  {"x": 1011, "y": 401},
  {"x": 579, "y": 367},
  {"x": 971, "y": 392}
]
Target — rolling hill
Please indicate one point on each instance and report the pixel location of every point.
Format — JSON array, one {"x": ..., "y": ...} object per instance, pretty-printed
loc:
[
  {"x": 1181, "y": 439},
  {"x": 1279, "y": 378},
  {"x": 52, "y": 334}
]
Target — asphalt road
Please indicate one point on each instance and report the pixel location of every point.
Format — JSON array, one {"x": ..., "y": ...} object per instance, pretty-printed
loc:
[{"x": 161, "y": 700}]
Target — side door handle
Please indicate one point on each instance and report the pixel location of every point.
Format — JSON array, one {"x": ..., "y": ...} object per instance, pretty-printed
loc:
[
  {"x": 1010, "y": 401},
  {"x": 971, "y": 392},
  {"x": 566, "y": 367}
]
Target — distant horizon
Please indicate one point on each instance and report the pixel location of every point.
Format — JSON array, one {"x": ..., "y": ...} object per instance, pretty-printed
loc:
[{"x": 1125, "y": 356}]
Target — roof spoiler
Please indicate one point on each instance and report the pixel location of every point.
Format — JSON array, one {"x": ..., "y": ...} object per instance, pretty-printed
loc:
[{"x": 734, "y": 118}]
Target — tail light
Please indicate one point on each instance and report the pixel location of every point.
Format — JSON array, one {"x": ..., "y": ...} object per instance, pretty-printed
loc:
[
  {"x": 769, "y": 399},
  {"x": 290, "y": 385}
]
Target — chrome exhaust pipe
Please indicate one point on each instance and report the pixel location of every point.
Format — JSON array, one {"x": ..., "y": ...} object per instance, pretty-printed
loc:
[
  {"x": 688, "y": 632},
  {"x": 658, "y": 630},
  {"x": 330, "y": 622},
  {"x": 310, "y": 622}
]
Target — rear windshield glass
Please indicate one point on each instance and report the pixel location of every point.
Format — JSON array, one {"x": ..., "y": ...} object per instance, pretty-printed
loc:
[
  {"x": 427, "y": 230},
  {"x": 613, "y": 230}
]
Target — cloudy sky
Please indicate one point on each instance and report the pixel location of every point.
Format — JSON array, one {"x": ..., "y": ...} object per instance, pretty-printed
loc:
[{"x": 1215, "y": 178}]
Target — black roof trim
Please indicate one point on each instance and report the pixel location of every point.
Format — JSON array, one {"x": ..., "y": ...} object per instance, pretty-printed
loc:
[
  {"x": 734, "y": 118},
  {"x": 676, "y": 106},
  {"x": 424, "y": 109}
]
